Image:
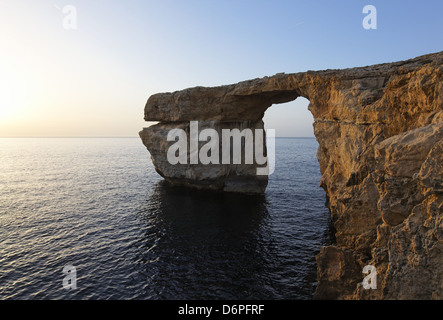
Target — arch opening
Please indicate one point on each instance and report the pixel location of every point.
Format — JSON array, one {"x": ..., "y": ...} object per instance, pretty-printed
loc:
[
  {"x": 293, "y": 192},
  {"x": 291, "y": 119}
]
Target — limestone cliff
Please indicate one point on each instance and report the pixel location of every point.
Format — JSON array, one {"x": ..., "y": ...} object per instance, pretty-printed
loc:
[{"x": 380, "y": 135}]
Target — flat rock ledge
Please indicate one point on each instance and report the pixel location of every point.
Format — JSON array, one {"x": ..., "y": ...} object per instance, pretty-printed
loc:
[{"x": 380, "y": 135}]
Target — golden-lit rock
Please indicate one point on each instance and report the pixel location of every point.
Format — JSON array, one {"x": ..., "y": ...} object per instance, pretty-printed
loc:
[{"x": 379, "y": 130}]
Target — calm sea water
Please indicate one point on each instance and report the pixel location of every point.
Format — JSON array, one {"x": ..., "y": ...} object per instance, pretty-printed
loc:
[{"x": 97, "y": 204}]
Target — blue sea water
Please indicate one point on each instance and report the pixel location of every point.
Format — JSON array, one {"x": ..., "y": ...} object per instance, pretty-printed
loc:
[{"x": 98, "y": 204}]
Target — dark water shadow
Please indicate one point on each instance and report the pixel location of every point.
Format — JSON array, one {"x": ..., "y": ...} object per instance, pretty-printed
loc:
[
  {"x": 211, "y": 245},
  {"x": 204, "y": 245}
]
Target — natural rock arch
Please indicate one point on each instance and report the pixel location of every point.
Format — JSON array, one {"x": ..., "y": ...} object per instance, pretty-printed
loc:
[{"x": 380, "y": 133}]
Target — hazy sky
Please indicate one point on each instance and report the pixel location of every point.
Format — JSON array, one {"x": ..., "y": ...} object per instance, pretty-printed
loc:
[{"x": 94, "y": 80}]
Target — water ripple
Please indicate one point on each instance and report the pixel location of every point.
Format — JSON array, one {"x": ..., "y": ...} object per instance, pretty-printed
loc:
[{"x": 98, "y": 205}]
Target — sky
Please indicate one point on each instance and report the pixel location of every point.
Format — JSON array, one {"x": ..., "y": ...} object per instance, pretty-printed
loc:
[{"x": 88, "y": 71}]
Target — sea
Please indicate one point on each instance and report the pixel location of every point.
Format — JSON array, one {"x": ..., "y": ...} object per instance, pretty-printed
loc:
[{"x": 90, "y": 219}]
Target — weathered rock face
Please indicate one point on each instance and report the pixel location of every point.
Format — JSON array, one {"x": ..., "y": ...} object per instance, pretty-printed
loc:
[
  {"x": 227, "y": 177},
  {"x": 380, "y": 135}
]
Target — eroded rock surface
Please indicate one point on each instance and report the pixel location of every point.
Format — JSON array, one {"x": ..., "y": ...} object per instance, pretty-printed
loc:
[
  {"x": 226, "y": 177},
  {"x": 380, "y": 133}
]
